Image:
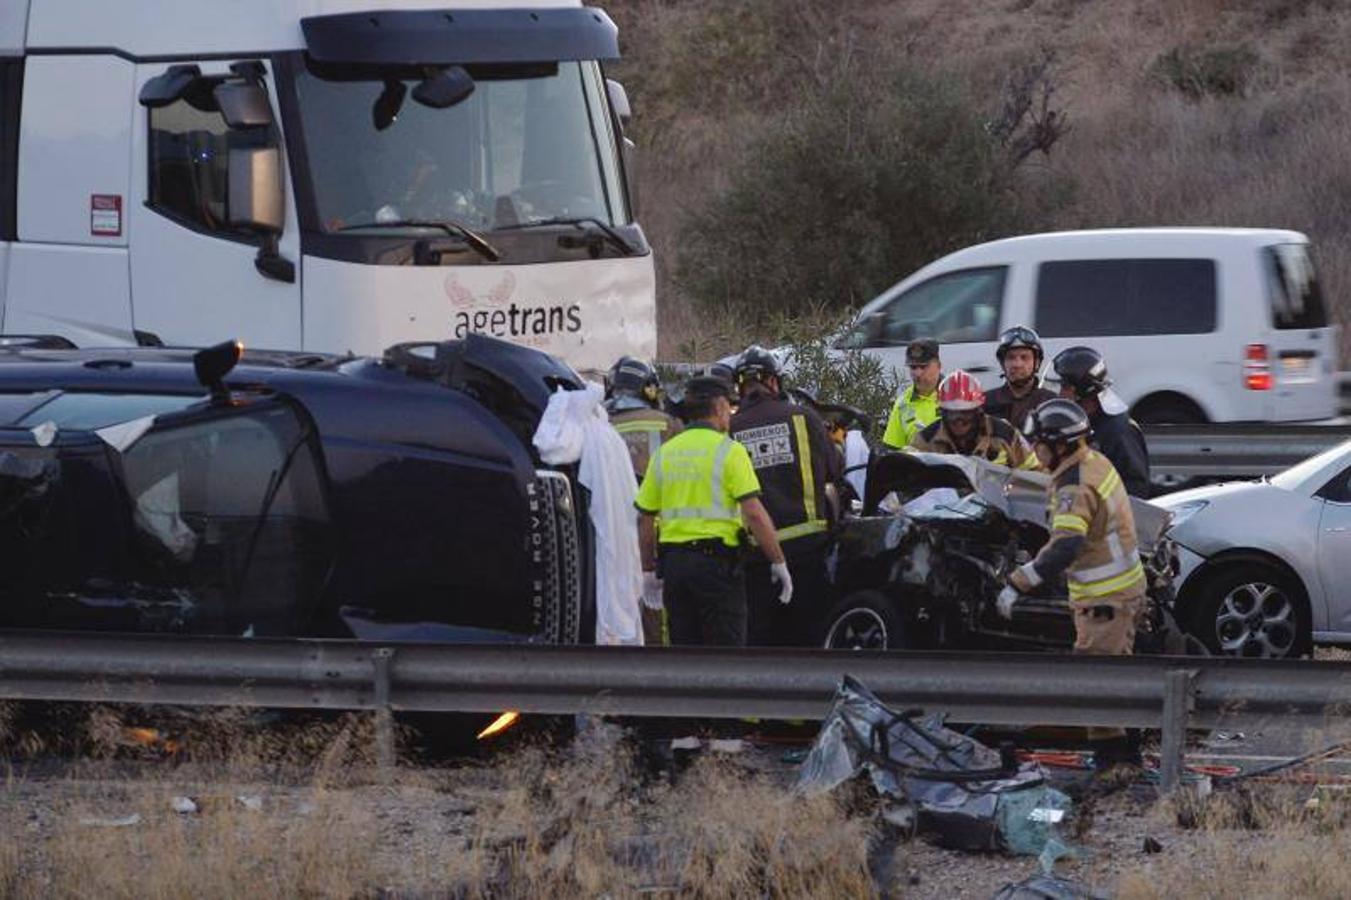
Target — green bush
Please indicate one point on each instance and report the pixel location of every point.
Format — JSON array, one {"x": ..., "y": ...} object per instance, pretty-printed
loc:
[
  {"x": 1209, "y": 71},
  {"x": 849, "y": 377},
  {"x": 865, "y": 174}
]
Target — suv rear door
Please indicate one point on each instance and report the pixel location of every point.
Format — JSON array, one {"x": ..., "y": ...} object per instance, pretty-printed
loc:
[{"x": 1300, "y": 355}]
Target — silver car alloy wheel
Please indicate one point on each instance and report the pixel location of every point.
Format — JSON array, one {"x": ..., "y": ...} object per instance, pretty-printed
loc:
[
  {"x": 858, "y": 629},
  {"x": 1256, "y": 619}
]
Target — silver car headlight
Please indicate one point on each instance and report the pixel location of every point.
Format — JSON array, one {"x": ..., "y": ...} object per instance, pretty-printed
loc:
[{"x": 1184, "y": 511}]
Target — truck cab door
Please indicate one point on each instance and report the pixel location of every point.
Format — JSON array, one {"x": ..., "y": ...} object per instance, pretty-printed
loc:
[{"x": 213, "y": 240}]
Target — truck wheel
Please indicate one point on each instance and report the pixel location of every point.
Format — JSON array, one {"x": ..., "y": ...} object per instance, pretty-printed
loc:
[
  {"x": 1253, "y": 609},
  {"x": 865, "y": 620}
]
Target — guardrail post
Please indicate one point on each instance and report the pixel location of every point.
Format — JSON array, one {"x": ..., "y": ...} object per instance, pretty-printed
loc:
[
  {"x": 1177, "y": 707},
  {"x": 384, "y": 718}
]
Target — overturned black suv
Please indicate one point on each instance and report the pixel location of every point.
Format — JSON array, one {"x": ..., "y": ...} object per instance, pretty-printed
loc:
[
  {"x": 922, "y": 564},
  {"x": 399, "y": 498}
]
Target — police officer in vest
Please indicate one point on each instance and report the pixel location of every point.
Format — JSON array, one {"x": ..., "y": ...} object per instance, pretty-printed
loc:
[
  {"x": 797, "y": 465},
  {"x": 1020, "y": 356},
  {"x": 1083, "y": 378},
  {"x": 703, "y": 487},
  {"x": 917, "y": 405},
  {"x": 1092, "y": 544}
]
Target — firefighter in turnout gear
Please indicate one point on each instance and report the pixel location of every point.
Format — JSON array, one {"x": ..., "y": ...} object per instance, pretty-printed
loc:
[
  {"x": 1083, "y": 378},
  {"x": 964, "y": 429},
  {"x": 702, "y": 486},
  {"x": 633, "y": 400},
  {"x": 917, "y": 405},
  {"x": 797, "y": 466},
  {"x": 1020, "y": 356},
  {"x": 1092, "y": 544}
]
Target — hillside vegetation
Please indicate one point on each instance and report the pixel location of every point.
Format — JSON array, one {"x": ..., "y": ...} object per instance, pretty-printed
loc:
[{"x": 799, "y": 155}]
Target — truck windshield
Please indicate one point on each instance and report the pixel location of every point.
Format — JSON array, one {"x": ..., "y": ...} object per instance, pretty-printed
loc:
[{"x": 531, "y": 143}]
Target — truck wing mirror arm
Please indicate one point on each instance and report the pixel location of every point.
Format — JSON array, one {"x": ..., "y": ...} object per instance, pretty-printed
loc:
[{"x": 271, "y": 264}]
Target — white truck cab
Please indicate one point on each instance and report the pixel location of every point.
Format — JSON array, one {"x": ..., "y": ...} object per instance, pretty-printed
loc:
[
  {"x": 1196, "y": 324},
  {"x": 329, "y": 175}
]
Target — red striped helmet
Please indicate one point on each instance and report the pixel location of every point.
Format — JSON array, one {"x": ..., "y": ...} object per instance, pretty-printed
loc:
[{"x": 960, "y": 391}]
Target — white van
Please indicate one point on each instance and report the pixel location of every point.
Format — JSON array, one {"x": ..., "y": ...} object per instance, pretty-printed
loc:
[
  {"x": 1196, "y": 324},
  {"x": 325, "y": 175}
]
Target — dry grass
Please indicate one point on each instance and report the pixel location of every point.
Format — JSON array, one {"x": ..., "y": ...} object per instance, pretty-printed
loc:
[
  {"x": 1258, "y": 843},
  {"x": 314, "y": 820}
]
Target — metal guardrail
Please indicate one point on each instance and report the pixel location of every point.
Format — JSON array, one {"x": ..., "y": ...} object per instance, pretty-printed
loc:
[
  {"x": 1166, "y": 693},
  {"x": 1236, "y": 450}
]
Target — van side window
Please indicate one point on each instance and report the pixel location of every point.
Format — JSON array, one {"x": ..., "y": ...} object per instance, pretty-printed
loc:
[
  {"x": 1292, "y": 285},
  {"x": 189, "y": 154},
  {"x": 1102, "y": 297},
  {"x": 954, "y": 308},
  {"x": 11, "y": 89}
]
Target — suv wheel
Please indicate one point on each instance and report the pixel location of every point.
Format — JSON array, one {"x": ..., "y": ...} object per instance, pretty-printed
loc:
[
  {"x": 865, "y": 620},
  {"x": 1252, "y": 609}
]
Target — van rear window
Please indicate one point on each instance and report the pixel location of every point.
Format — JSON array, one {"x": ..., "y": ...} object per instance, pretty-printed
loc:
[
  {"x": 1100, "y": 297},
  {"x": 1292, "y": 285}
]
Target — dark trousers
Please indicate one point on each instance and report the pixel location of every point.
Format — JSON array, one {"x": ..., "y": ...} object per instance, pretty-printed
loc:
[
  {"x": 799, "y": 623},
  {"x": 705, "y": 596}
]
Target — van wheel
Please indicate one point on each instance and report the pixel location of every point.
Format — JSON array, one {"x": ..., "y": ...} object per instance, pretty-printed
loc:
[
  {"x": 1167, "y": 409},
  {"x": 865, "y": 620},
  {"x": 1252, "y": 609}
]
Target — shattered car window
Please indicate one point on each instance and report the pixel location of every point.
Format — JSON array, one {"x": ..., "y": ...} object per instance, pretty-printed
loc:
[
  {"x": 87, "y": 412},
  {"x": 229, "y": 514}
]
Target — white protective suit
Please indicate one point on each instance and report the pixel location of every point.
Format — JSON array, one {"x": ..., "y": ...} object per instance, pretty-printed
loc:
[
  {"x": 575, "y": 426},
  {"x": 856, "y": 456}
]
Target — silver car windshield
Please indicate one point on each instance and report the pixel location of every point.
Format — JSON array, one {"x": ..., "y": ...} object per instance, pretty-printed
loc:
[{"x": 530, "y": 144}]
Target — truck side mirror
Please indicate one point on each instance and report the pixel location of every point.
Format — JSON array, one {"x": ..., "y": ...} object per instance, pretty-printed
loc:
[
  {"x": 243, "y": 104},
  {"x": 257, "y": 203},
  {"x": 256, "y": 200},
  {"x": 619, "y": 102}
]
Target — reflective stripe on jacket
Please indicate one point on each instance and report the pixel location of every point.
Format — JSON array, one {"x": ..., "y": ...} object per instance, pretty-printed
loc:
[
  {"x": 908, "y": 415},
  {"x": 643, "y": 431},
  {"x": 1088, "y": 500},
  {"x": 794, "y": 460},
  {"x": 997, "y": 442},
  {"x": 694, "y": 482}
]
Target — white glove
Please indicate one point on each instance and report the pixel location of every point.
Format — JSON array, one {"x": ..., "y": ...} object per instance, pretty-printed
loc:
[
  {"x": 652, "y": 591},
  {"x": 1007, "y": 597},
  {"x": 778, "y": 573}
]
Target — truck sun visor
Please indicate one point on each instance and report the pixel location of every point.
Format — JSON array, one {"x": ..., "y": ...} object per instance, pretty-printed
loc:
[{"x": 444, "y": 37}]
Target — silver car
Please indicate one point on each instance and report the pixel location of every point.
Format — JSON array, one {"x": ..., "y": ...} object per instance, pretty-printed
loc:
[{"x": 1266, "y": 565}]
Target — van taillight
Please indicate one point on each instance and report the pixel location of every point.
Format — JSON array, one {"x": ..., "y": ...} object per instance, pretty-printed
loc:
[{"x": 1257, "y": 368}]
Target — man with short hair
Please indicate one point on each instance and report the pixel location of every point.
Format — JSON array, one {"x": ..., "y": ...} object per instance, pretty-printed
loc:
[
  {"x": 917, "y": 405},
  {"x": 703, "y": 486},
  {"x": 1020, "y": 356}
]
